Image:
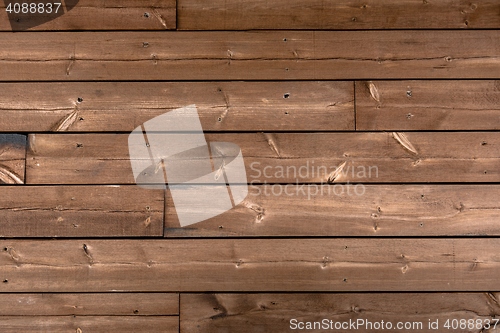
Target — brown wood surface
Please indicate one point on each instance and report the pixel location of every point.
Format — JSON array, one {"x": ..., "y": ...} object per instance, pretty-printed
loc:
[
  {"x": 222, "y": 106},
  {"x": 98, "y": 324},
  {"x": 343, "y": 14},
  {"x": 80, "y": 211},
  {"x": 284, "y": 157},
  {"x": 266, "y": 55},
  {"x": 428, "y": 105},
  {"x": 94, "y": 15},
  {"x": 195, "y": 265},
  {"x": 251, "y": 313},
  {"x": 342, "y": 210},
  {"x": 89, "y": 304}
]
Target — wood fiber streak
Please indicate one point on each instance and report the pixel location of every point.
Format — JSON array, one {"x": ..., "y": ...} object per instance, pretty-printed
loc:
[
  {"x": 249, "y": 313},
  {"x": 343, "y": 14},
  {"x": 12, "y": 158},
  {"x": 222, "y": 106},
  {"x": 284, "y": 157},
  {"x": 352, "y": 264},
  {"x": 255, "y": 55}
]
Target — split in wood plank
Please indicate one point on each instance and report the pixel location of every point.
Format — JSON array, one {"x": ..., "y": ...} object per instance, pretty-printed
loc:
[
  {"x": 261, "y": 55},
  {"x": 343, "y": 15},
  {"x": 12, "y": 158},
  {"x": 218, "y": 265}
]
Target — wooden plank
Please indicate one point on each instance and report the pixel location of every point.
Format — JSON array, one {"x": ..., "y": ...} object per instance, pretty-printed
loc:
[
  {"x": 93, "y": 15},
  {"x": 284, "y": 157},
  {"x": 247, "y": 313},
  {"x": 222, "y": 106},
  {"x": 343, "y": 14},
  {"x": 92, "y": 304},
  {"x": 199, "y": 265},
  {"x": 80, "y": 211},
  {"x": 12, "y": 158},
  {"x": 261, "y": 55},
  {"x": 153, "y": 324},
  {"x": 428, "y": 105},
  {"x": 349, "y": 210}
]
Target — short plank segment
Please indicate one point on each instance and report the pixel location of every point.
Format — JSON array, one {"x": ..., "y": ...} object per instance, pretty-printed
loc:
[
  {"x": 97, "y": 324},
  {"x": 222, "y": 106},
  {"x": 285, "y": 157},
  {"x": 349, "y": 210},
  {"x": 12, "y": 158},
  {"x": 249, "y": 313},
  {"x": 243, "y": 265},
  {"x": 343, "y": 14},
  {"x": 93, "y": 15},
  {"x": 80, "y": 211},
  {"x": 262, "y": 55},
  {"x": 89, "y": 304},
  {"x": 428, "y": 105}
]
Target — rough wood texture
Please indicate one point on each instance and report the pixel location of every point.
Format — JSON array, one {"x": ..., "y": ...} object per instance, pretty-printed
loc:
[
  {"x": 80, "y": 211},
  {"x": 95, "y": 15},
  {"x": 101, "y": 324},
  {"x": 285, "y": 157},
  {"x": 97, "y": 304},
  {"x": 12, "y": 158},
  {"x": 274, "y": 55},
  {"x": 344, "y": 14},
  {"x": 342, "y": 210},
  {"x": 222, "y": 106},
  {"x": 249, "y": 313},
  {"x": 428, "y": 105},
  {"x": 194, "y": 265}
]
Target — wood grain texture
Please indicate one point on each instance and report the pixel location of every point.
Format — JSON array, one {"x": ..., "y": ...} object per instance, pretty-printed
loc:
[
  {"x": 284, "y": 157},
  {"x": 80, "y": 211},
  {"x": 96, "y": 15},
  {"x": 348, "y": 210},
  {"x": 222, "y": 106},
  {"x": 249, "y": 313},
  {"x": 12, "y": 158},
  {"x": 195, "y": 265},
  {"x": 261, "y": 55},
  {"x": 98, "y": 324},
  {"x": 89, "y": 304},
  {"x": 428, "y": 105},
  {"x": 344, "y": 14}
]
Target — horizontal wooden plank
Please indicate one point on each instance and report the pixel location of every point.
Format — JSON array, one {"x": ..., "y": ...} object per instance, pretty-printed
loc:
[
  {"x": 344, "y": 14},
  {"x": 247, "y": 313},
  {"x": 256, "y": 55},
  {"x": 91, "y": 304},
  {"x": 222, "y": 106},
  {"x": 91, "y": 15},
  {"x": 350, "y": 210},
  {"x": 12, "y": 158},
  {"x": 284, "y": 157},
  {"x": 80, "y": 211},
  {"x": 104, "y": 324},
  {"x": 428, "y": 105},
  {"x": 199, "y": 265}
]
